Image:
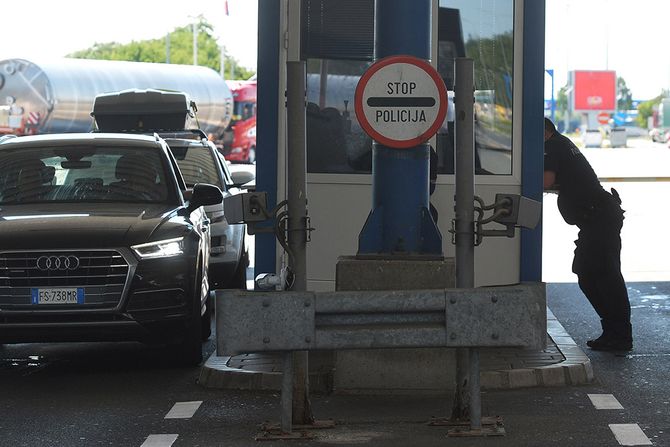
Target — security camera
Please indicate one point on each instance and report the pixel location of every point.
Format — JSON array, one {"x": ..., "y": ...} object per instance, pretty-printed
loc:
[{"x": 520, "y": 211}]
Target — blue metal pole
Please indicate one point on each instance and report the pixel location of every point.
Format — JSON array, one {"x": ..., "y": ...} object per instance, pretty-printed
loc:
[
  {"x": 532, "y": 156},
  {"x": 553, "y": 98},
  {"x": 400, "y": 223},
  {"x": 269, "y": 17}
]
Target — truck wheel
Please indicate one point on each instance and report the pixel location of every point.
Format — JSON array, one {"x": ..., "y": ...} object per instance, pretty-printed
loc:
[{"x": 251, "y": 158}]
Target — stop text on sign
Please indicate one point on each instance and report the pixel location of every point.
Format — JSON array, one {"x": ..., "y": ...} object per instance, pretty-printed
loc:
[{"x": 400, "y": 101}]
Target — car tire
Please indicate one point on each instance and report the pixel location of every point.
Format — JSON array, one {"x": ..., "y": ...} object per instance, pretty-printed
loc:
[
  {"x": 239, "y": 279},
  {"x": 189, "y": 349},
  {"x": 206, "y": 324}
]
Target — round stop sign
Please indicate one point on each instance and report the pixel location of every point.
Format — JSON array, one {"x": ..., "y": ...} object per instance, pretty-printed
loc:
[
  {"x": 400, "y": 101},
  {"x": 603, "y": 117}
]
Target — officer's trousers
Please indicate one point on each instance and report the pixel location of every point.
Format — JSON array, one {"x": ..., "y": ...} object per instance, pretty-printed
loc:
[{"x": 597, "y": 263}]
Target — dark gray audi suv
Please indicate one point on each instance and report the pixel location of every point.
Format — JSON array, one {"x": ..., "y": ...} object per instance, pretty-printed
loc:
[{"x": 97, "y": 242}]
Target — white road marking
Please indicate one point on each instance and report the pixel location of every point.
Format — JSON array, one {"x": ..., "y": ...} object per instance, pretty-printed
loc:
[
  {"x": 159, "y": 440},
  {"x": 629, "y": 434},
  {"x": 183, "y": 410},
  {"x": 605, "y": 402}
]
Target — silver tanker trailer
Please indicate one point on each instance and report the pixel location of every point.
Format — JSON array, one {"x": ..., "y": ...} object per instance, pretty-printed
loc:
[{"x": 56, "y": 96}]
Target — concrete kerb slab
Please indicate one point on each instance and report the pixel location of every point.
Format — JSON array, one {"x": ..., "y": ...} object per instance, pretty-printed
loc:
[{"x": 563, "y": 363}]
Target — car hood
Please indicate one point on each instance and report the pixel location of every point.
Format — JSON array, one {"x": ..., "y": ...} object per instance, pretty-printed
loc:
[{"x": 52, "y": 226}]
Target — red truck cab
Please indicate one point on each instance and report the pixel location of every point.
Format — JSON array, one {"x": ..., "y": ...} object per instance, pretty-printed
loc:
[{"x": 239, "y": 143}]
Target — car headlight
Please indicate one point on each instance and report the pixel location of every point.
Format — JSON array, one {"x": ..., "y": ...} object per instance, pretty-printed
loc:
[{"x": 160, "y": 249}]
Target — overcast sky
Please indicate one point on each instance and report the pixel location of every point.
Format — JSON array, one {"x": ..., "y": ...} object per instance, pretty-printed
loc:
[
  {"x": 53, "y": 28},
  {"x": 627, "y": 36}
]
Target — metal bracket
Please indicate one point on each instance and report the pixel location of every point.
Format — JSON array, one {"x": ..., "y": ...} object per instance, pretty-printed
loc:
[
  {"x": 490, "y": 426},
  {"x": 505, "y": 212},
  {"x": 272, "y": 430},
  {"x": 306, "y": 228}
]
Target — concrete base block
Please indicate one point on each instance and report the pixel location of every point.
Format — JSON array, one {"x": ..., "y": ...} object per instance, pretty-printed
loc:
[
  {"x": 412, "y": 370},
  {"x": 395, "y": 370},
  {"x": 394, "y": 274}
]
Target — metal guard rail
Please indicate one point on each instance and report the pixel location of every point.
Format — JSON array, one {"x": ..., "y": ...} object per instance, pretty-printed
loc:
[{"x": 502, "y": 316}]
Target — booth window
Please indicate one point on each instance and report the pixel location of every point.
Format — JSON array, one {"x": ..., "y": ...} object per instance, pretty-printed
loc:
[
  {"x": 338, "y": 44},
  {"x": 483, "y": 31}
]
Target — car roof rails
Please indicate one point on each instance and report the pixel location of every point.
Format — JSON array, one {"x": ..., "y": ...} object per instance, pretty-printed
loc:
[
  {"x": 9, "y": 137},
  {"x": 185, "y": 133}
]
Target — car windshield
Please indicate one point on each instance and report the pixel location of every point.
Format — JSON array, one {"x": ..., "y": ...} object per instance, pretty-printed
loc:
[
  {"x": 196, "y": 165},
  {"x": 81, "y": 174}
]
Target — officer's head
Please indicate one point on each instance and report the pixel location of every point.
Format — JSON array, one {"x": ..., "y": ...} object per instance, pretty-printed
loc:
[{"x": 549, "y": 128}]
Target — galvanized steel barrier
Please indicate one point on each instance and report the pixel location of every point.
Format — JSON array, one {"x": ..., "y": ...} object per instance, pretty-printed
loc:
[{"x": 504, "y": 316}]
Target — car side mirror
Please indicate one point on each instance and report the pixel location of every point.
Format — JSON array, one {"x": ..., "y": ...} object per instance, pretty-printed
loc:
[
  {"x": 204, "y": 194},
  {"x": 239, "y": 178}
]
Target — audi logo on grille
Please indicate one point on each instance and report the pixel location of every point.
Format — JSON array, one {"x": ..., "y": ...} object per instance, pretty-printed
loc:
[{"x": 46, "y": 263}]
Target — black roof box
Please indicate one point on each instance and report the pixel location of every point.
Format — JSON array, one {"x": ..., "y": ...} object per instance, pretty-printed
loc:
[{"x": 137, "y": 110}]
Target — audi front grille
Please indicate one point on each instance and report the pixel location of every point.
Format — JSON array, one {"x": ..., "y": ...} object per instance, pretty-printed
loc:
[{"x": 101, "y": 273}]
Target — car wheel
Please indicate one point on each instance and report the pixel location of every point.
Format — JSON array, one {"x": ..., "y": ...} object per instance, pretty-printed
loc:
[
  {"x": 239, "y": 279},
  {"x": 206, "y": 324},
  {"x": 189, "y": 349},
  {"x": 252, "y": 155}
]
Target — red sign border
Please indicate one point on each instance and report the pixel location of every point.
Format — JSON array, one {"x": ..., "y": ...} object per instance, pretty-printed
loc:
[
  {"x": 606, "y": 117},
  {"x": 363, "y": 82}
]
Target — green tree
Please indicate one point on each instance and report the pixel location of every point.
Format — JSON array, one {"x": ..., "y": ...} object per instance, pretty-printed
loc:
[
  {"x": 493, "y": 65},
  {"x": 561, "y": 103},
  {"x": 181, "y": 50},
  {"x": 624, "y": 97},
  {"x": 646, "y": 108}
]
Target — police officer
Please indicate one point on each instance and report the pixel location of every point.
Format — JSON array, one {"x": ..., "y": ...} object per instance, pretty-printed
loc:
[{"x": 582, "y": 201}]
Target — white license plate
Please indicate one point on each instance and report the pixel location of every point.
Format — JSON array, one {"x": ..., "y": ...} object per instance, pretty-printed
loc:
[{"x": 53, "y": 295}]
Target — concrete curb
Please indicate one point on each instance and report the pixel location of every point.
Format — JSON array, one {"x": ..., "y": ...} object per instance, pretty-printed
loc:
[{"x": 575, "y": 369}]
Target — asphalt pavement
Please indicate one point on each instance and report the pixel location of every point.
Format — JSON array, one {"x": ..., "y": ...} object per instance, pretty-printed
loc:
[
  {"x": 127, "y": 394},
  {"x": 121, "y": 395}
]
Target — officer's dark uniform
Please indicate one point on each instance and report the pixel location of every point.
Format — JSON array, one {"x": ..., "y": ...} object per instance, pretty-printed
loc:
[{"x": 583, "y": 202}]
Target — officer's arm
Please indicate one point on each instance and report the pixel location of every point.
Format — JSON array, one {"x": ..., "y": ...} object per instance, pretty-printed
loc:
[{"x": 549, "y": 179}]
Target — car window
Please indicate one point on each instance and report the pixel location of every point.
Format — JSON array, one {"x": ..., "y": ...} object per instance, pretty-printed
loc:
[
  {"x": 224, "y": 167},
  {"x": 197, "y": 165},
  {"x": 82, "y": 174}
]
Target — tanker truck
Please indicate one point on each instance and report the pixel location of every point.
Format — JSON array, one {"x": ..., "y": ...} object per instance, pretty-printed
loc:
[{"x": 56, "y": 96}]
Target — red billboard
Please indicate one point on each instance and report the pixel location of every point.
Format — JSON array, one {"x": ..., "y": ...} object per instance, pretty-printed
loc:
[{"x": 594, "y": 90}]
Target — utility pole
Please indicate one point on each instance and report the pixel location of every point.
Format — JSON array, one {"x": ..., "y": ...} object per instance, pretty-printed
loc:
[
  {"x": 167, "y": 47},
  {"x": 195, "y": 44},
  {"x": 222, "y": 65}
]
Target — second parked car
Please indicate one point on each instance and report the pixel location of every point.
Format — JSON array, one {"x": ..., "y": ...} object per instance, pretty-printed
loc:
[{"x": 172, "y": 116}]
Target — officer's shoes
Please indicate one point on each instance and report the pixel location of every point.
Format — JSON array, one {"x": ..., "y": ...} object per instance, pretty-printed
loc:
[{"x": 607, "y": 343}]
